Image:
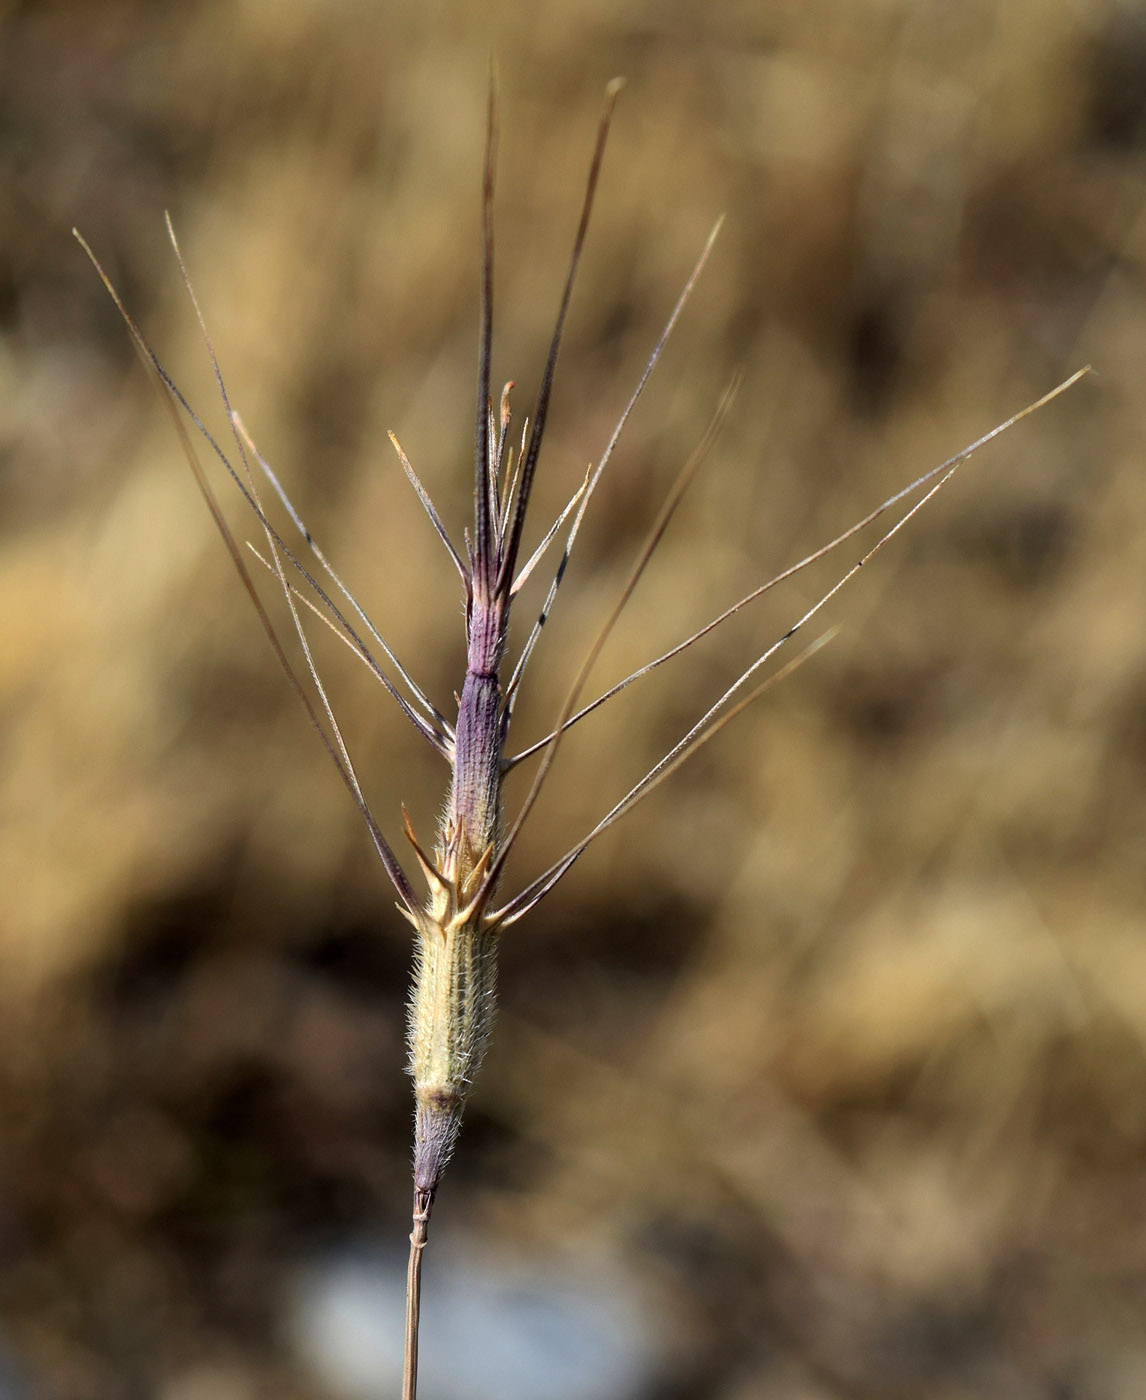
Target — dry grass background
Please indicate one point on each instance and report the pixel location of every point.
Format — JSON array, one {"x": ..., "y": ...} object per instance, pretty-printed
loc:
[{"x": 838, "y": 1044}]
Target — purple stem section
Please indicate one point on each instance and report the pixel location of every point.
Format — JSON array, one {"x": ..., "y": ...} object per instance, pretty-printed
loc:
[{"x": 475, "y": 798}]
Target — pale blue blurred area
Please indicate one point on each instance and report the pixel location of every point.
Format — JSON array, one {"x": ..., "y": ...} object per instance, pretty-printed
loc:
[
  {"x": 14, "y": 1383},
  {"x": 493, "y": 1327}
]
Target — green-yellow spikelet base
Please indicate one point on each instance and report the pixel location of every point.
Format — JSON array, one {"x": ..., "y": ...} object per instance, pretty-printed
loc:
[{"x": 451, "y": 1011}]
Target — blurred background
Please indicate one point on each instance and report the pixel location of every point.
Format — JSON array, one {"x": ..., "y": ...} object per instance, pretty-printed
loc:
[{"x": 823, "y": 1075}]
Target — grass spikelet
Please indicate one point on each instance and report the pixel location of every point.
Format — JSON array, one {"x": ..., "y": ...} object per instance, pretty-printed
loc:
[{"x": 458, "y": 921}]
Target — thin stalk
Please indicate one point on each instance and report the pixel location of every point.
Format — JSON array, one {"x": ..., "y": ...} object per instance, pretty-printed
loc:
[{"x": 423, "y": 1204}]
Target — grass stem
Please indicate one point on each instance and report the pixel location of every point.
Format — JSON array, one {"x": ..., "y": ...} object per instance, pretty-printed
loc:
[{"x": 423, "y": 1203}]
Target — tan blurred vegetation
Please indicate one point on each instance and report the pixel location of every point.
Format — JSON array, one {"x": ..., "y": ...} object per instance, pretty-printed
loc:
[{"x": 839, "y": 1042}]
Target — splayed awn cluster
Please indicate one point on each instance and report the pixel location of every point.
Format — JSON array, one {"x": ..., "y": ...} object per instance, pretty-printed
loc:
[{"x": 459, "y": 922}]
